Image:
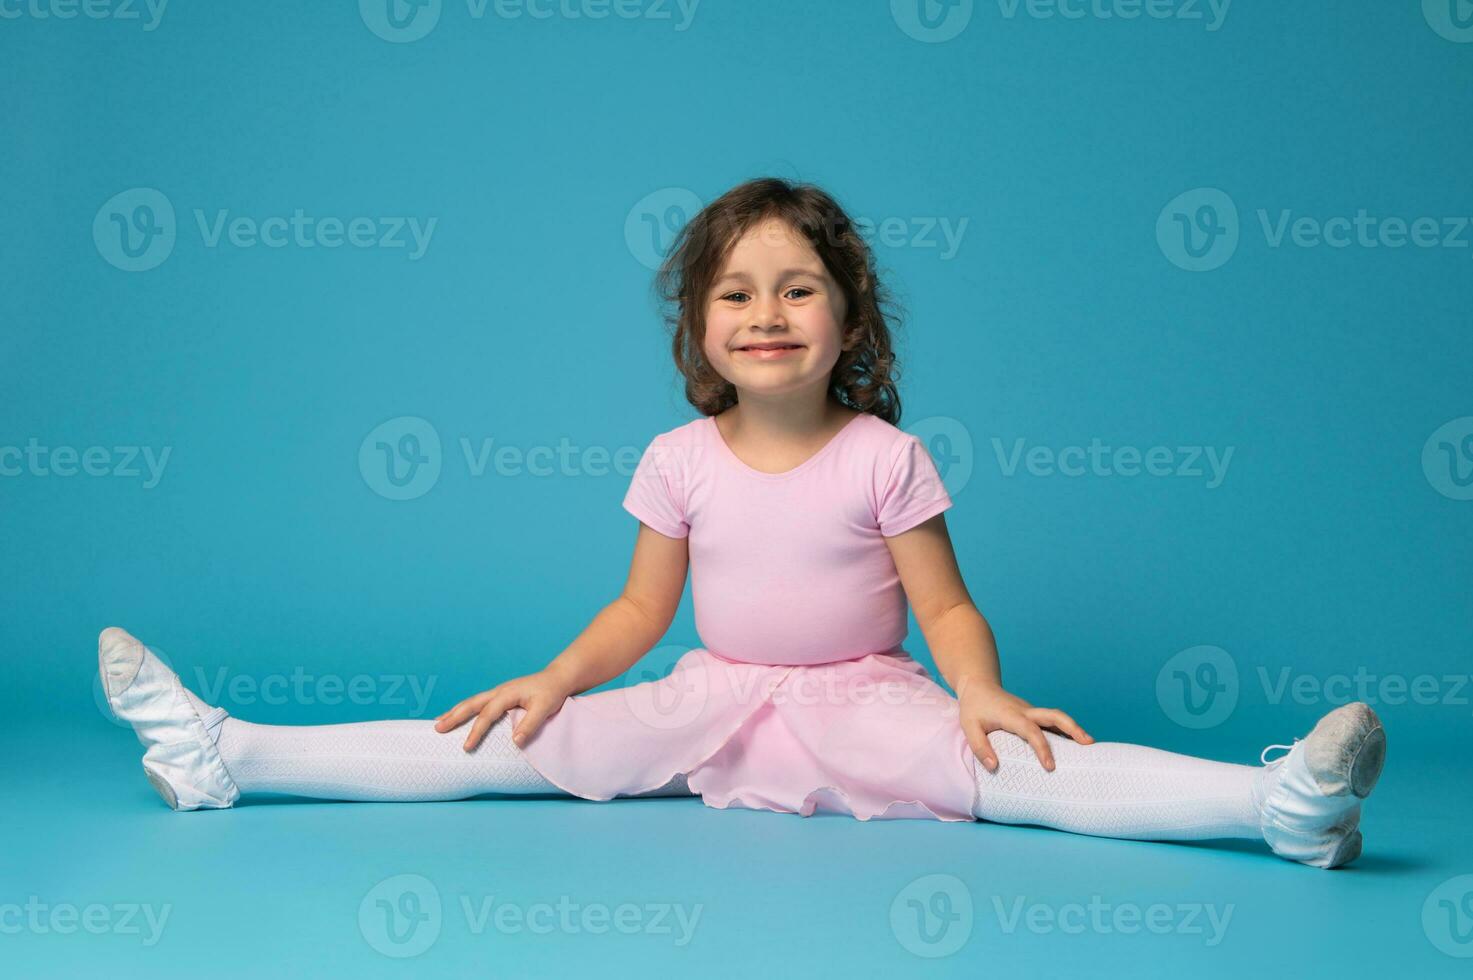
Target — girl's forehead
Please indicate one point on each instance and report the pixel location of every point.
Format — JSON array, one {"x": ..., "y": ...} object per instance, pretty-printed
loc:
[{"x": 771, "y": 241}]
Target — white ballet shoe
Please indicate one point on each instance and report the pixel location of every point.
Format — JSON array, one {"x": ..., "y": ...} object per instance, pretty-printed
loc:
[
  {"x": 181, "y": 761},
  {"x": 1309, "y": 801}
]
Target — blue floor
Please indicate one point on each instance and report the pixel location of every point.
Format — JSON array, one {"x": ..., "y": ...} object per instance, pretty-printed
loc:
[{"x": 538, "y": 887}]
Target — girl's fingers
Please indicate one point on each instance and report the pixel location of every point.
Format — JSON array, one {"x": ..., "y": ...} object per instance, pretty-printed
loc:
[
  {"x": 449, "y": 719},
  {"x": 1025, "y": 729},
  {"x": 489, "y": 715},
  {"x": 537, "y": 712},
  {"x": 464, "y": 710},
  {"x": 447, "y": 716},
  {"x": 1063, "y": 723},
  {"x": 981, "y": 746}
]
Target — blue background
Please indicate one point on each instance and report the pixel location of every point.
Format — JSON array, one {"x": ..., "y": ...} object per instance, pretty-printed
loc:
[{"x": 265, "y": 548}]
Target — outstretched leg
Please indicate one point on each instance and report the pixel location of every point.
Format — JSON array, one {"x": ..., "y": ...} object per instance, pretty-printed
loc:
[
  {"x": 1306, "y": 805},
  {"x": 199, "y": 757},
  {"x": 399, "y": 760},
  {"x": 1116, "y": 789}
]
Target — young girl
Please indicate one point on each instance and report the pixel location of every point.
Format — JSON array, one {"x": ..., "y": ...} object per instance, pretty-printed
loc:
[{"x": 807, "y": 519}]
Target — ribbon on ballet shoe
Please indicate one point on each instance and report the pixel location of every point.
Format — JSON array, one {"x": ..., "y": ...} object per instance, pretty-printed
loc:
[{"x": 1268, "y": 749}]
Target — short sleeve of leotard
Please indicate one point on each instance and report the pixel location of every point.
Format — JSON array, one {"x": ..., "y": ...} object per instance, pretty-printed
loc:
[
  {"x": 656, "y": 491},
  {"x": 913, "y": 492}
]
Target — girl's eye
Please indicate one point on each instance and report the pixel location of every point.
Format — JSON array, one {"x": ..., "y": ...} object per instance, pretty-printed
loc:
[{"x": 737, "y": 297}]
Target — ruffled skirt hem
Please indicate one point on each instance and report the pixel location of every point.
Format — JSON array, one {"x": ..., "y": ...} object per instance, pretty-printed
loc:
[{"x": 874, "y": 738}]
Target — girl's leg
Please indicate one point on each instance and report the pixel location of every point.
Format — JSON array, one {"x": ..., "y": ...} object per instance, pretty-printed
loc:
[
  {"x": 399, "y": 760},
  {"x": 1115, "y": 789},
  {"x": 1306, "y": 805},
  {"x": 199, "y": 757}
]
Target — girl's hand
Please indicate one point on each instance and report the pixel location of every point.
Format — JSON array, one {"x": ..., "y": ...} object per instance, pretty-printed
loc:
[
  {"x": 988, "y": 708},
  {"x": 542, "y": 694}
]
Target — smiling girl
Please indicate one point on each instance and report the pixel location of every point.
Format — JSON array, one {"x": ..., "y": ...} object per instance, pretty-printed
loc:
[{"x": 810, "y": 525}]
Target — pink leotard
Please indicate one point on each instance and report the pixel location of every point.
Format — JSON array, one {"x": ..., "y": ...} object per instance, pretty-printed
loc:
[{"x": 801, "y": 696}]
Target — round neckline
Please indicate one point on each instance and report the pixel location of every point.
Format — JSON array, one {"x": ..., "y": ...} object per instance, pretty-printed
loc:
[{"x": 810, "y": 461}]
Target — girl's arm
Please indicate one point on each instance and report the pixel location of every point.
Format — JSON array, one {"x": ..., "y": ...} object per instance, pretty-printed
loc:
[
  {"x": 621, "y": 633},
  {"x": 962, "y": 644},
  {"x": 628, "y": 627}
]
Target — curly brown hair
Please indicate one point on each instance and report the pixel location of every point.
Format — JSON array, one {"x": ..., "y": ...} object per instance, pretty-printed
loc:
[{"x": 866, "y": 373}]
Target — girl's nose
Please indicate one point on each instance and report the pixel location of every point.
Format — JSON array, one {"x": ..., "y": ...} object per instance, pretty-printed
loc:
[{"x": 768, "y": 313}]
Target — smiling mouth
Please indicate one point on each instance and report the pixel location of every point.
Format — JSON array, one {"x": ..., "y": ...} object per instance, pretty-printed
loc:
[{"x": 774, "y": 353}]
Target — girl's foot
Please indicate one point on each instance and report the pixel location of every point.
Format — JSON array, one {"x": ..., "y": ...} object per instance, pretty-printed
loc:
[
  {"x": 175, "y": 727},
  {"x": 1309, "y": 801}
]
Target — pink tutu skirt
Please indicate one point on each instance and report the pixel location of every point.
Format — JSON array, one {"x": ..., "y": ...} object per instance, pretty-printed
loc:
[{"x": 873, "y": 737}]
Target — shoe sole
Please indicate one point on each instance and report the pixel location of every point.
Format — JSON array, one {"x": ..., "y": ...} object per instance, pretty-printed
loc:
[
  {"x": 1347, "y": 851},
  {"x": 163, "y": 788},
  {"x": 1347, "y": 751}
]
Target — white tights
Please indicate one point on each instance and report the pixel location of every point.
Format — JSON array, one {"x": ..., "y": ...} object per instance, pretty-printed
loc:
[
  {"x": 1115, "y": 789},
  {"x": 400, "y": 760},
  {"x": 1107, "y": 789}
]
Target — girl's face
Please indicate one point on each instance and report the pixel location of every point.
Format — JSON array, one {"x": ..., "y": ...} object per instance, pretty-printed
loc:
[{"x": 774, "y": 290}]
